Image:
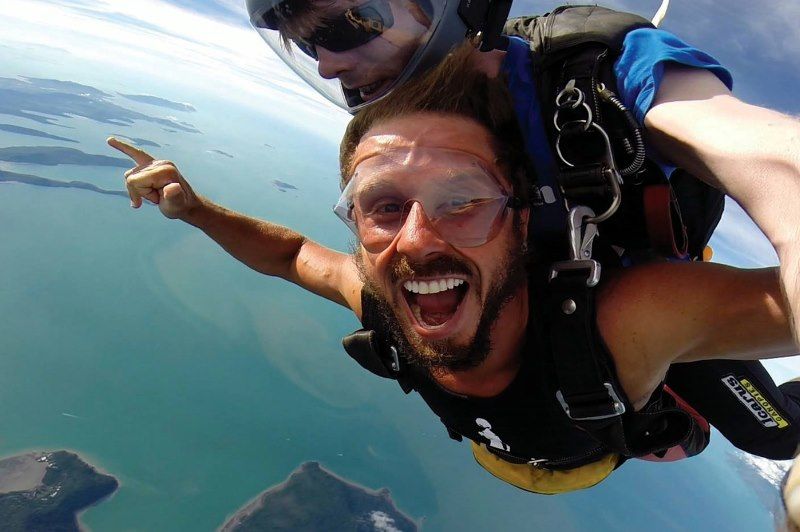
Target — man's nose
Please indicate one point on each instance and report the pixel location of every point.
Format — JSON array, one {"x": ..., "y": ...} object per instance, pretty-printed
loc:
[
  {"x": 332, "y": 64},
  {"x": 417, "y": 237}
]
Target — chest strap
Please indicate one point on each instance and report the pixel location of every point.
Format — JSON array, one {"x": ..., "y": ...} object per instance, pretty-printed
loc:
[{"x": 588, "y": 389}]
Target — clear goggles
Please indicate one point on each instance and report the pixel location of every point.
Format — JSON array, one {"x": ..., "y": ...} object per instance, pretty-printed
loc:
[
  {"x": 373, "y": 34},
  {"x": 462, "y": 201}
]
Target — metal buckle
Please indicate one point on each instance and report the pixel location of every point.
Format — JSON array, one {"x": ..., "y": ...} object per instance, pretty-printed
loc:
[
  {"x": 395, "y": 359},
  {"x": 591, "y": 266},
  {"x": 616, "y": 404},
  {"x": 581, "y": 235}
]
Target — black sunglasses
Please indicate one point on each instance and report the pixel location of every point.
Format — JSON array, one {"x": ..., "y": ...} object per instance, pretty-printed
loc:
[{"x": 355, "y": 27}]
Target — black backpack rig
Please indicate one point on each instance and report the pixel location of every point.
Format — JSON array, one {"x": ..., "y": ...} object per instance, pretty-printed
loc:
[{"x": 607, "y": 193}]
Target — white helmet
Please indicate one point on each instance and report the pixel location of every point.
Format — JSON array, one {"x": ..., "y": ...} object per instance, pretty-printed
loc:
[{"x": 354, "y": 54}]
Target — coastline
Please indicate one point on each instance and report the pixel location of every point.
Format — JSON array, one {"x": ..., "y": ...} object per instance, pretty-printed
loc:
[{"x": 53, "y": 488}]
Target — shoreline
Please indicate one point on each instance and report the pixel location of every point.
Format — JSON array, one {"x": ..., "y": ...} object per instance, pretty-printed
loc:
[
  {"x": 82, "y": 455},
  {"x": 85, "y": 485}
]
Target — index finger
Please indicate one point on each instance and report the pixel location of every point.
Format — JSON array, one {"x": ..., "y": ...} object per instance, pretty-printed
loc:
[{"x": 139, "y": 156}]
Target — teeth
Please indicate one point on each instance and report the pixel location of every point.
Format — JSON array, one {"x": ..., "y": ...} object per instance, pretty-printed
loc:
[
  {"x": 372, "y": 87},
  {"x": 432, "y": 287}
]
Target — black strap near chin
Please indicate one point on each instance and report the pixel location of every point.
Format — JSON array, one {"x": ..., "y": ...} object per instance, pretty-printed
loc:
[
  {"x": 371, "y": 348},
  {"x": 362, "y": 345}
]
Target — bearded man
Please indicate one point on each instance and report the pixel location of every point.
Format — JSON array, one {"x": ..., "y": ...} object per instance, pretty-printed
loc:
[{"x": 436, "y": 188}]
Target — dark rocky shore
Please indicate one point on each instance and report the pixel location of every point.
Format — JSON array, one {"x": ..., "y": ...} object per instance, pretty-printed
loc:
[{"x": 46, "y": 491}]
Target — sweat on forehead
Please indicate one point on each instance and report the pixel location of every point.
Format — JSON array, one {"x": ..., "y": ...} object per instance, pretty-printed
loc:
[{"x": 418, "y": 134}]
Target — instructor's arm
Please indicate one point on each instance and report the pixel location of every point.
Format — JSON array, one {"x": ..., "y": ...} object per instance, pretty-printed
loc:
[
  {"x": 263, "y": 246},
  {"x": 751, "y": 153}
]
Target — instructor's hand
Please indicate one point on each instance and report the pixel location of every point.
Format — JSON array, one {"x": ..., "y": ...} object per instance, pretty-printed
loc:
[{"x": 157, "y": 181}]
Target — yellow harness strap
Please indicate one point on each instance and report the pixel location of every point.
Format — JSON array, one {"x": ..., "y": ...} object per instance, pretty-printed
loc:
[{"x": 546, "y": 482}]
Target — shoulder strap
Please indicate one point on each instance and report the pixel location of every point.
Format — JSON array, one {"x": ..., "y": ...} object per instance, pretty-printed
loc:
[{"x": 588, "y": 389}]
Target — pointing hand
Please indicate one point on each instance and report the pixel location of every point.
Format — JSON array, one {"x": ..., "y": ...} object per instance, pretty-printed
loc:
[{"x": 157, "y": 181}]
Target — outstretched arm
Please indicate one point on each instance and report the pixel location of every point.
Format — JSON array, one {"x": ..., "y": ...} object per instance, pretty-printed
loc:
[
  {"x": 751, "y": 153},
  {"x": 655, "y": 315},
  {"x": 263, "y": 246}
]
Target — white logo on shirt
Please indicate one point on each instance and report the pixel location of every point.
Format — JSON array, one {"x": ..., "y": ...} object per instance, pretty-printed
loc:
[{"x": 494, "y": 440}]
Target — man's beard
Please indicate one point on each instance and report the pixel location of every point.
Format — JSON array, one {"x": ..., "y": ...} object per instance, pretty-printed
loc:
[{"x": 436, "y": 356}]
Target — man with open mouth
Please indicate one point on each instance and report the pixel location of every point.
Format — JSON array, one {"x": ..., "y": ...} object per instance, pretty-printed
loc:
[{"x": 436, "y": 189}]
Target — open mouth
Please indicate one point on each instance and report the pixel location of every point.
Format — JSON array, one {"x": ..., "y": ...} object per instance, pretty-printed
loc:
[
  {"x": 373, "y": 90},
  {"x": 434, "y": 302}
]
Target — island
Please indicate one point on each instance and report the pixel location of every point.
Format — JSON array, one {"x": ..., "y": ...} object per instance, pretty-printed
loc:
[
  {"x": 220, "y": 152},
  {"x": 314, "y": 499},
  {"x": 138, "y": 141},
  {"x": 19, "y": 130},
  {"x": 46, "y": 491},
  {"x": 161, "y": 102},
  {"x": 54, "y": 155},
  {"x": 47, "y": 101},
  {"x": 283, "y": 186},
  {"x": 38, "y": 181}
]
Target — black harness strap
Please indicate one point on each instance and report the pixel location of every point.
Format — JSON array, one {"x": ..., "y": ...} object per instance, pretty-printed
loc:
[
  {"x": 589, "y": 391},
  {"x": 372, "y": 348}
]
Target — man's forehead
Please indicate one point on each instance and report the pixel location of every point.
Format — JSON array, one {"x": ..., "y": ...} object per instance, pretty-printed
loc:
[{"x": 415, "y": 138}]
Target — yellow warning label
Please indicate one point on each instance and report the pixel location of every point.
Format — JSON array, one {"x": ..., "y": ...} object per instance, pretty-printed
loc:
[{"x": 768, "y": 408}]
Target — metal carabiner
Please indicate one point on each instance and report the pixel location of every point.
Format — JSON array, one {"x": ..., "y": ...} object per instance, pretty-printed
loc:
[
  {"x": 587, "y": 123},
  {"x": 570, "y": 96},
  {"x": 610, "y": 172},
  {"x": 582, "y": 232}
]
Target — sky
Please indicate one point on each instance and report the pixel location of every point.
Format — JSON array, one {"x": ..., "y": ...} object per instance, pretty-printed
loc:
[{"x": 212, "y": 40}]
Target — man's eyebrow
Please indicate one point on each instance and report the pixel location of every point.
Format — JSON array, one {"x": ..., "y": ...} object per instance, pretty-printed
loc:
[{"x": 380, "y": 184}]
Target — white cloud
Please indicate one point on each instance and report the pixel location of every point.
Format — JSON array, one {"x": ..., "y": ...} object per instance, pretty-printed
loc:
[
  {"x": 162, "y": 41},
  {"x": 383, "y": 522}
]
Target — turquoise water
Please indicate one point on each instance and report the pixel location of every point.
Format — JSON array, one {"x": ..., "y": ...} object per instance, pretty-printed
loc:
[{"x": 199, "y": 383}]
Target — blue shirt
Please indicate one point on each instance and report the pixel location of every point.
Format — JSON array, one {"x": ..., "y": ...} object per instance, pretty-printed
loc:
[{"x": 638, "y": 70}]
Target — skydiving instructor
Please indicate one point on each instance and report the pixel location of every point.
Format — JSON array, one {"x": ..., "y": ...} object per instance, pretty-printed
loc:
[{"x": 354, "y": 53}]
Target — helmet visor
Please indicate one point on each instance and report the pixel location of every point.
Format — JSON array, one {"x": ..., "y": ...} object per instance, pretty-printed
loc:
[{"x": 352, "y": 53}]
